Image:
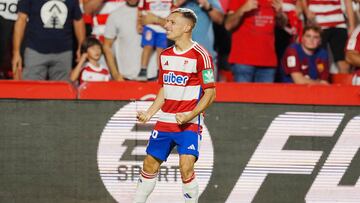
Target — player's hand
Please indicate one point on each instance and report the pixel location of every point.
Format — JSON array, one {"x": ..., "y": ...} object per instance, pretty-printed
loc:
[
  {"x": 182, "y": 118},
  {"x": 277, "y": 5},
  {"x": 250, "y": 5},
  {"x": 78, "y": 54},
  {"x": 310, "y": 16},
  {"x": 142, "y": 116},
  {"x": 83, "y": 58},
  {"x": 118, "y": 77},
  {"x": 17, "y": 66},
  {"x": 203, "y": 3},
  {"x": 139, "y": 28}
]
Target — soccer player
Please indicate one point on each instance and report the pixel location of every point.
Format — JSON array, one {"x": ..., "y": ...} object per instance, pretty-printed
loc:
[{"x": 188, "y": 88}]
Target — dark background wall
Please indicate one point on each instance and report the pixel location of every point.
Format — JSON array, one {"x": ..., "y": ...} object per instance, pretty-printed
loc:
[{"x": 48, "y": 150}]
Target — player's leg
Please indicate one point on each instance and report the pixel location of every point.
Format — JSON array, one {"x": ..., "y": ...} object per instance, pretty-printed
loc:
[
  {"x": 147, "y": 179},
  {"x": 188, "y": 144},
  {"x": 337, "y": 46},
  {"x": 147, "y": 42},
  {"x": 159, "y": 148},
  {"x": 190, "y": 185}
]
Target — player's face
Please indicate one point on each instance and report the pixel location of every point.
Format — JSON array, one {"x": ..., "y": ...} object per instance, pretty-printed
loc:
[
  {"x": 94, "y": 52},
  {"x": 311, "y": 40},
  {"x": 175, "y": 26}
]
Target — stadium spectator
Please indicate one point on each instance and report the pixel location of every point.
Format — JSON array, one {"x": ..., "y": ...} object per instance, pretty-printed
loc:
[
  {"x": 48, "y": 39},
  {"x": 329, "y": 15},
  {"x": 122, "y": 37},
  {"x": 306, "y": 62},
  {"x": 208, "y": 12},
  {"x": 253, "y": 51},
  {"x": 89, "y": 68},
  {"x": 352, "y": 53},
  {"x": 96, "y": 13},
  {"x": 153, "y": 35},
  {"x": 8, "y": 16}
]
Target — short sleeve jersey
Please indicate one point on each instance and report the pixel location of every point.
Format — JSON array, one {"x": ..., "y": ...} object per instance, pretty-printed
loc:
[
  {"x": 50, "y": 25},
  {"x": 314, "y": 66},
  {"x": 184, "y": 77},
  {"x": 253, "y": 42},
  {"x": 353, "y": 43},
  {"x": 161, "y": 8},
  {"x": 91, "y": 73}
]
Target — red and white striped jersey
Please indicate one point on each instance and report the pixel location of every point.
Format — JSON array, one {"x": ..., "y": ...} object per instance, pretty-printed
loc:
[
  {"x": 99, "y": 20},
  {"x": 184, "y": 76},
  {"x": 91, "y": 73},
  {"x": 328, "y": 13},
  {"x": 161, "y": 8}
]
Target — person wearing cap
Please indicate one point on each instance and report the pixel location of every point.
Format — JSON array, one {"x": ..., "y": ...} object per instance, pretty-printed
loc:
[{"x": 186, "y": 76}]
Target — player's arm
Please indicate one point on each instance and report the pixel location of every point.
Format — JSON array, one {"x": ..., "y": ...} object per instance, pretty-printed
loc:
[
  {"x": 92, "y": 6},
  {"x": 75, "y": 73},
  {"x": 18, "y": 37},
  {"x": 299, "y": 78},
  {"x": 308, "y": 14},
  {"x": 350, "y": 16},
  {"x": 206, "y": 100},
  {"x": 145, "y": 116},
  {"x": 353, "y": 57},
  {"x": 234, "y": 18},
  {"x": 79, "y": 30},
  {"x": 214, "y": 13},
  {"x": 110, "y": 59},
  {"x": 151, "y": 18}
]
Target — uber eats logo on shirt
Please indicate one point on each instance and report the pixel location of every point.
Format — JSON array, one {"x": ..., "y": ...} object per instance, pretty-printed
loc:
[{"x": 208, "y": 76}]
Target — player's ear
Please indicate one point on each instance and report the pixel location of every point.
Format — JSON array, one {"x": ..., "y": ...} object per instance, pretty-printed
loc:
[{"x": 188, "y": 28}]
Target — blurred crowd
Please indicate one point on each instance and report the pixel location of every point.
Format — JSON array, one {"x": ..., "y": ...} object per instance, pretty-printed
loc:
[{"x": 289, "y": 41}]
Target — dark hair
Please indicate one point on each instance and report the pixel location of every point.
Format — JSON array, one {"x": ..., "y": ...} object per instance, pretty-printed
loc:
[
  {"x": 187, "y": 13},
  {"x": 89, "y": 42},
  {"x": 312, "y": 26}
]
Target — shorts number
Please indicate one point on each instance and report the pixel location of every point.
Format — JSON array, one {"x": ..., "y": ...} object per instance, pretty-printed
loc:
[{"x": 154, "y": 134}]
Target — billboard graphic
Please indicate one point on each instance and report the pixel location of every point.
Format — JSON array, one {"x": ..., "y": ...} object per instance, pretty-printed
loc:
[
  {"x": 121, "y": 152},
  {"x": 92, "y": 151}
]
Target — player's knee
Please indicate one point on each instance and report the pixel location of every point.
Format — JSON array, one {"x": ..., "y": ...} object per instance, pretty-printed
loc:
[
  {"x": 151, "y": 165},
  {"x": 186, "y": 171}
]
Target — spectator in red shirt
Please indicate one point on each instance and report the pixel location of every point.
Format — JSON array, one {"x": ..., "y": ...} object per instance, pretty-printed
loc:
[{"x": 253, "y": 51}]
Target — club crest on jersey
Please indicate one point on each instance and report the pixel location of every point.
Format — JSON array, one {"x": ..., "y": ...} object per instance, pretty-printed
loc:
[{"x": 171, "y": 78}]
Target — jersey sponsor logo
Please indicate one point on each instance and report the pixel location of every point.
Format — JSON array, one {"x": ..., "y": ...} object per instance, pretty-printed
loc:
[
  {"x": 121, "y": 151},
  {"x": 171, "y": 78},
  {"x": 291, "y": 61},
  {"x": 272, "y": 156},
  {"x": 208, "y": 76},
  {"x": 320, "y": 67},
  {"x": 54, "y": 14}
]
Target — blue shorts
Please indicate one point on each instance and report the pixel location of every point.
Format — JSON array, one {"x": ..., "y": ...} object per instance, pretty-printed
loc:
[
  {"x": 153, "y": 38},
  {"x": 161, "y": 143}
]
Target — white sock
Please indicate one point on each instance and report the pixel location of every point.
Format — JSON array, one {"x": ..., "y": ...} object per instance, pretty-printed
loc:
[
  {"x": 145, "y": 186},
  {"x": 191, "y": 190}
]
